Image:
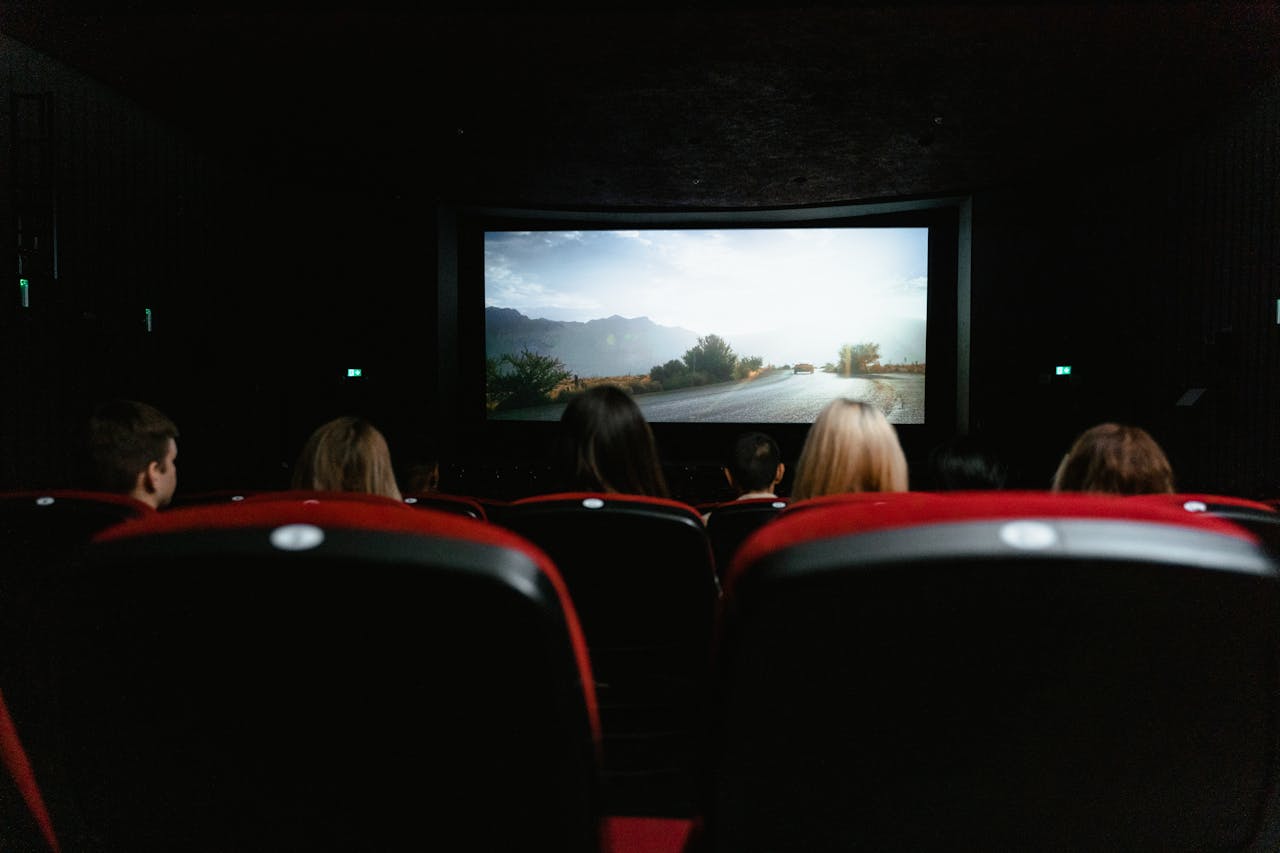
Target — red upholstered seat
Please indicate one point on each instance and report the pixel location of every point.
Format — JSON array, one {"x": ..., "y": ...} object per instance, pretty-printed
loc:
[
  {"x": 42, "y": 533},
  {"x": 640, "y": 572},
  {"x": 210, "y": 496},
  {"x": 1258, "y": 517},
  {"x": 322, "y": 675},
  {"x": 460, "y": 504},
  {"x": 41, "y": 521},
  {"x": 996, "y": 671},
  {"x": 322, "y": 495},
  {"x": 729, "y": 523}
]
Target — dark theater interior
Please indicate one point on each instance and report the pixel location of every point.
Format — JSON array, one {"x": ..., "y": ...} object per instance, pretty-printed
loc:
[{"x": 260, "y": 217}]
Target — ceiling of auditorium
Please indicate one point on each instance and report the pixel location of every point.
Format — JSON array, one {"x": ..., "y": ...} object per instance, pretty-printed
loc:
[{"x": 663, "y": 104}]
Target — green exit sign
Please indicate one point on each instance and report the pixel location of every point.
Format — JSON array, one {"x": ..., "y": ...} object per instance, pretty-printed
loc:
[
  {"x": 354, "y": 373},
  {"x": 1062, "y": 370}
]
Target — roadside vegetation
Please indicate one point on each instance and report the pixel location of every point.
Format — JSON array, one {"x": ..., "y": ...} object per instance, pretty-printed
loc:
[
  {"x": 863, "y": 358},
  {"x": 517, "y": 381}
]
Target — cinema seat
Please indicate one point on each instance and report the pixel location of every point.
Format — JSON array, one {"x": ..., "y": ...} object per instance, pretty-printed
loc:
[
  {"x": 996, "y": 671},
  {"x": 640, "y": 572},
  {"x": 729, "y": 524},
  {"x": 323, "y": 496},
  {"x": 42, "y": 532},
  {"x": 1259, "y": 517},
  {"x": 33, "y": 522},
  {"x": 323, "y": 675},
  {"x": 211, "y": 496},
  {"x": 458, "y": 504}
]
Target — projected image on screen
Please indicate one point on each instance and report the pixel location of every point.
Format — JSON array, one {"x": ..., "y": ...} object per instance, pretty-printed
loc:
[{"x": 763, "y": 325}]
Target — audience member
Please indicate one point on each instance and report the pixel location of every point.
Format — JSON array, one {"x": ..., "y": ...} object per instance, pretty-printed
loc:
[
  {"x": 347, "y": 454},
  {"x": 419, "y": 464},
  {"x": 422, "y": 478},
  {"x": 606, "y": 445},
  {"x": 1114, "y": 458},
  {"x": 133, "y": 450},
  {"x": 966, "y": 462},
  {"x": 851, "y": 447},
  {"x": 755, "y": 467}
]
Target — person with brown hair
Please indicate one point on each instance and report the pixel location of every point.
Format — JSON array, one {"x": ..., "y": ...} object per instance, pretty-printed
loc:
[
  {"x": 347, "y": 454},
  {"x": 1117, "y": 459},
  {"x": 851, "y": 447},
  {"x": 606, "y": 445},
  {"x": 133, "y": 450}
]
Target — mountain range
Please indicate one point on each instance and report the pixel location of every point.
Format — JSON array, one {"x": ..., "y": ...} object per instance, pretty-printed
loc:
[{"x": 610, "y": 346}]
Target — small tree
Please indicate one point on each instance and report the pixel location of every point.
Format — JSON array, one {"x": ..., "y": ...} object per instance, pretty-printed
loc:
[
  {"x": 527, "y": 379},
  {"x": 747, "y": 365},
  {"x": 673, "y": 369},
  {"x": 713, "y": 356},
  {"x": 857, "y": 358}
]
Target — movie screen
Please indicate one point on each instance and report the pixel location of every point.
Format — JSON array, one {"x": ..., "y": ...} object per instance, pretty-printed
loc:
[{"x": 752, "y": 325}]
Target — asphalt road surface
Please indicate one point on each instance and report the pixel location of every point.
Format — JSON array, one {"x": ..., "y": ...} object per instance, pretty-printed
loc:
[{"x": 778, "y": 397}]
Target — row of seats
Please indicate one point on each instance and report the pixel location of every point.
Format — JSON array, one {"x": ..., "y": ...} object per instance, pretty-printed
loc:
[{"x": 907, "y": 671}]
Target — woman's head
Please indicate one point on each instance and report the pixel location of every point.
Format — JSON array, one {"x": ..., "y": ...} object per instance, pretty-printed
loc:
[
  {"x": 346, "y": 455},
  {"x": 851, "y": 447},
  {"x": 1117, "y": 459},
  {"x": 606, "y": 445}
]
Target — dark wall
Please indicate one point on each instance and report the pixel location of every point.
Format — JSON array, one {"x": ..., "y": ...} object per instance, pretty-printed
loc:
[
  {"x": 262, "y": 292},
  {"x": 1149, "y": 279}
]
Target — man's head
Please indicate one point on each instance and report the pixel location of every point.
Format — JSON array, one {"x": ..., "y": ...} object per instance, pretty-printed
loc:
[
  {"x": 133, "y": 449},
  {"x": 755, "y": 464}
]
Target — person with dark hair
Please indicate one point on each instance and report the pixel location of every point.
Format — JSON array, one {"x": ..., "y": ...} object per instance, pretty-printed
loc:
[
  {"x": 966, "y": 462},
  {"x": 422, "y": 478},
  {"x": 1116, "y": 459},
  {"x": 347, "y": 454},
  {"x": 133, "y": 450},
  {"x": 421, "y": 475},
  {"x": 755, "y": 467},
  {"x": 606, "y": 445}
]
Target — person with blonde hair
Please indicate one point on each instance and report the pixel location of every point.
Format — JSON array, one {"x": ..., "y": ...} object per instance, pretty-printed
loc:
[
  {"x": 851, "y": 447},
  {"x": 1115, "y": 459},
  {"x": 347, "y": 454}
]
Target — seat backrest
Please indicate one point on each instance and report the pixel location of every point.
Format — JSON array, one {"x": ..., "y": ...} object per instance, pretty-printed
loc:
[
  {"x": 54, "y": 523},
  {"x": 40, "y": 532},
  {"x": 731, "y": 522},
  {"x": 211, "y": 496},
  {"x": 1256, "y": 516},
  {"x": 321, "y": 495},
  {"x": 640, "y": 572},
  {"x": 459, "y": 504},
  {"x": 996, "y": 671},
  {"x": 319, "y": 674}
]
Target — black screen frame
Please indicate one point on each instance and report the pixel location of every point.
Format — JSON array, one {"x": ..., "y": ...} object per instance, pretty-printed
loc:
[{"x": 470, "y": 434}]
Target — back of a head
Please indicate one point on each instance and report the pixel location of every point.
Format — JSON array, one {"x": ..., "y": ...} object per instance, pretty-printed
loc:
[
  {"x": 966, "y": 462},
  {"x": 851, "y": 447},
  {"x": 346, "y": 454},
  {"x": 754, "y": 462},
  {"x": 421, "y": 474},
  {"x": 124, "y": 437},
  {"x": 1116, "y": 459},
  {"x": 606, "y": 445}
]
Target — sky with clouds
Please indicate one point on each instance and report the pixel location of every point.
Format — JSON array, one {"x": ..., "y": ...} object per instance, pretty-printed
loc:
[{"x": 769, "y": 292}]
